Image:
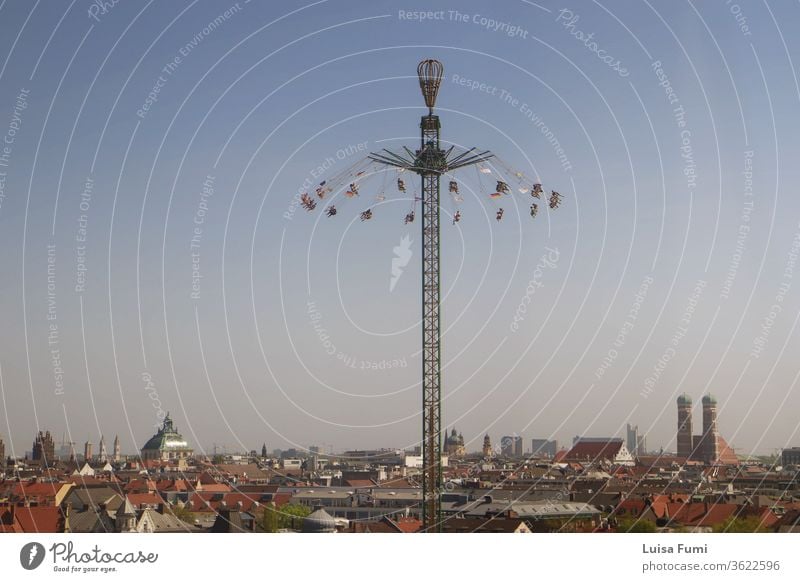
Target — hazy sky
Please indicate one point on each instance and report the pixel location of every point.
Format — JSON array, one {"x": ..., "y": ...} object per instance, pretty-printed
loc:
[{"x": 128, "y": 131}]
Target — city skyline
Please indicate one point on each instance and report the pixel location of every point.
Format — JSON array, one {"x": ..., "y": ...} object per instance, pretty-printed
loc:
[
  {"x": 158, "y": 259},
  {"x": 708, "y": 446}
]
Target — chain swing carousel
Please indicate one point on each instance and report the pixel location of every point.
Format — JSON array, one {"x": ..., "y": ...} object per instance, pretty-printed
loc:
[{"x": 375, "y": 177}]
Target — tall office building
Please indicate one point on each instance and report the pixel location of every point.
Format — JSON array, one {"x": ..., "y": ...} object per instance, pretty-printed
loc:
[
  {"x": 511, "y": 446},
  {"x": 635, "y": 441},
  {"x": 544, "y": 448}
]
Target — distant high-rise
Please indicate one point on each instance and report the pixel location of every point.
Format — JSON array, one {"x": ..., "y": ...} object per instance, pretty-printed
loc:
[
  {"x": 544, "y": 448},
  {"x": 635, "y": 442},
  {"x": 117, "y": 449},
  {"x": 790, "y": 456},
  {"x": 487, "y": 446},
  {"x": 87, "y": 451},
  {"x": 511, "y": 446},
  {"x": 264, "y": 451},
  {"x": 685, "y": 439},
  {"x": 2, "y": 453},
  {"x": 44, "y": 448}
]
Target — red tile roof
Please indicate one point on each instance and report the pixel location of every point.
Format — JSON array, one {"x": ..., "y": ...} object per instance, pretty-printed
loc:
[
  {"x": 204, "y": 502},
  {"x": 701, "y": 514},
  {"x": 595, "y": 450},
  {"x": 360, "y": 483},
  {"x": 140, "y": 485},
  {"x": 40, "y": 519},
  {"x": 142, "y": 500},
  {"x": 408, "y": 524},
  {"x": 726, "y": 454},
  {"x": 214, "y": 488},
  {"x": 173, "y": 485}
]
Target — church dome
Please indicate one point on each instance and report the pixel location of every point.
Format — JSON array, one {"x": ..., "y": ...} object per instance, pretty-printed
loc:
[
  {"x": 319, "y": 521},
  {"x": 710, "y": 400},
  {"x": 684, "y": 400},
  {"x": 167, "y": 443}
]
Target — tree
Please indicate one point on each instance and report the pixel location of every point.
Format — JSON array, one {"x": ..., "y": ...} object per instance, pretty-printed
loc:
[
  {"x": 733, "y": 524},
  {"x": 636, "y": 526},
  {"x": 183, "y": 514},
  {"x": 269, "y": 519},
  {"x": 287, "y": 517}
]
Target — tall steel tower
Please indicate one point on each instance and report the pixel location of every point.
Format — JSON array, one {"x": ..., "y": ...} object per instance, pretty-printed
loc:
[{"x": 430, "y": 161}]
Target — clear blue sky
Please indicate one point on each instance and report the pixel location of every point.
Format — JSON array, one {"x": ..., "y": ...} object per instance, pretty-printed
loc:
[{"x": 659, "y": 109}]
